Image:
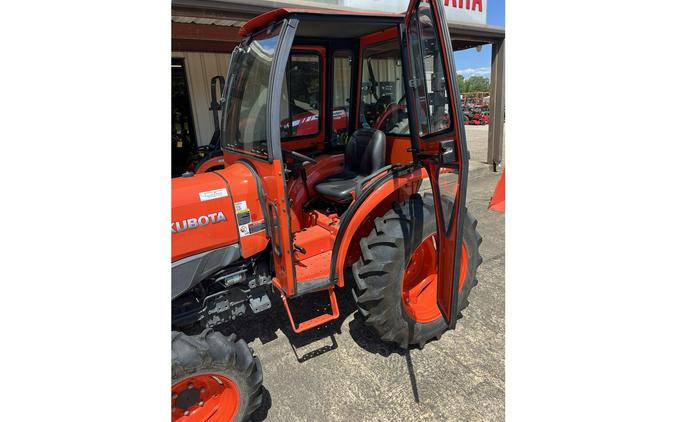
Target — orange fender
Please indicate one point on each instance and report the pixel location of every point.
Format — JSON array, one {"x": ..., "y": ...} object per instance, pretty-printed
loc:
[
  {"x": 498, "y": 201},
  {"x": 360, "y": 224},
  {"x": 210, "y": 164}
]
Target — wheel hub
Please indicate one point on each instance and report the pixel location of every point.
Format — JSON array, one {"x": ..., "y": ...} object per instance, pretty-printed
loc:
[
  {"x": 207, "y": 397},
  {"x": 187, "y": 398},
  {"x": 420, "y": 281}
]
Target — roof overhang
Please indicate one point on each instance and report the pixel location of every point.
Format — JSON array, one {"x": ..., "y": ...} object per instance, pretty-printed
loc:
[
  {"x": 325, "y": 15},
  {"x": 464, "y": 36}
]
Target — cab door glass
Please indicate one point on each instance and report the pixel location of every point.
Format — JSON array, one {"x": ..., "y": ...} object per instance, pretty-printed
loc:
[
  {"x": 383, "y": 104},
  {"x": 342, "y": 88},
  {"x": 245, "y": 122},
  {"x": 429, "y": 85}
]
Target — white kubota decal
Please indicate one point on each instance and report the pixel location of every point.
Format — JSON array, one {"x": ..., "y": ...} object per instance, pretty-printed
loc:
[{"x": 201, "y": 221}]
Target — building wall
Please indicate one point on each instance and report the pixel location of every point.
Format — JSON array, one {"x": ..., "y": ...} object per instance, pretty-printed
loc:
[{"x": 200, "y": 68}]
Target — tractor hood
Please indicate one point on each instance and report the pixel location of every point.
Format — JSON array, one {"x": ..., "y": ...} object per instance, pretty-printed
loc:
[{"x": 202, "y": 215}]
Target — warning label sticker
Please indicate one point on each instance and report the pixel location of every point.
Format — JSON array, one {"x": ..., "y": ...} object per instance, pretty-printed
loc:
[
  {"x": 243, "y": 217},
  {"x": 251, "y": 228},
  {"x": 256, "y": 226},
  {"x": 240, "y": 206},
  {"x": 243, "y": 213},
  {"x": 246, "y": 226}
]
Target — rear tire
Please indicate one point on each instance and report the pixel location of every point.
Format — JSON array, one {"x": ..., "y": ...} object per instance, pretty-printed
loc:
[
  {"x": 385, "y": 256},
  {"x": 211, "y": 371}
]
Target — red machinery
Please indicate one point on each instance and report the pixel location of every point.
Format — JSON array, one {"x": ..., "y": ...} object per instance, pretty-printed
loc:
[{"x": 292, "y": 212}]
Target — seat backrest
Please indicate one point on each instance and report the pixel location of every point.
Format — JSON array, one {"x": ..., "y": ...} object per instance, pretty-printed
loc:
[{"x": 366, "y": 151}]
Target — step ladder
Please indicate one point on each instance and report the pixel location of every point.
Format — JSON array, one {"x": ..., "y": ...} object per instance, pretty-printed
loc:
[{"x": 316, "y": 321}]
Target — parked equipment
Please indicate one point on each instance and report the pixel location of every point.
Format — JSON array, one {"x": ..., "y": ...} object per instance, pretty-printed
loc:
[
  {"x": 293, "y": 212},
  {"x": 476, "y": 116}
]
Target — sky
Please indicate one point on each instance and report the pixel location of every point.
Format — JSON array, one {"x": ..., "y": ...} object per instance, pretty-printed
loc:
[{"x": 470, "y": 62}]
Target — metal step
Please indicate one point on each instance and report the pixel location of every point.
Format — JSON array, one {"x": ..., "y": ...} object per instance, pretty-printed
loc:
[{"x": 316, "y": 321}]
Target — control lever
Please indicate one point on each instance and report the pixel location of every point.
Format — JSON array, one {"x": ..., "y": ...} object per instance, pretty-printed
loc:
[{"x": 300, "y": 249}]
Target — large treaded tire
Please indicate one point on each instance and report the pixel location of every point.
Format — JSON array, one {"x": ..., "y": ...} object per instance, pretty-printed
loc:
[
  {"x": 212, "y": 353},
  {"x": 385, "y": 253}
]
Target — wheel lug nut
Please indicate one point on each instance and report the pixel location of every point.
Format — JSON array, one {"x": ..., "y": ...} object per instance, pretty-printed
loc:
[
  {"x": 202, "y": 390},
  {"x": 174, "y": 396},
  {"x": 190, "y": 386},
  {"x": 187, "y": 412},
  {"x": 201, "y": 403}
]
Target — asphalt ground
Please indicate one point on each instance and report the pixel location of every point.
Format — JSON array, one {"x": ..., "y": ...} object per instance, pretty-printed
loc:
[{"x": 341, "y": 372}]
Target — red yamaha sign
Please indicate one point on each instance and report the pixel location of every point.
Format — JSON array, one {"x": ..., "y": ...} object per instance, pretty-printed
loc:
[
  {"x": 475, "y": 5},
  {"x": 473, "y": 11},
  {"x": 467, "y": 11}
]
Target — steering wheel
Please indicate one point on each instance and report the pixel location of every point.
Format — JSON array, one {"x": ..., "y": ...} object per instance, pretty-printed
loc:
[
  {"x": 393, "y": 110},
  {"x": 297, "y": 156}
]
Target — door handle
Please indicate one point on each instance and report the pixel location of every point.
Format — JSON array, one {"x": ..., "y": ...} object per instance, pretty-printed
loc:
[{"x": 448, "y": 152}]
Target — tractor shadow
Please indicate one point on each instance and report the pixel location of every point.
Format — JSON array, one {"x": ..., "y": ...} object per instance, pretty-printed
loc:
[
  {"x": 265, "y": 327},
  {"x": 365, "y": 339}
]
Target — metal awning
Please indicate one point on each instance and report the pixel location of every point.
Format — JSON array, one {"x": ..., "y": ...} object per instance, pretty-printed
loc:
[{"x": 224, "y": 12}]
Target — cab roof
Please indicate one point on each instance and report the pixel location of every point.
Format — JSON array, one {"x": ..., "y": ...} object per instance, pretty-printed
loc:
[{"x": 326, "y": 23}]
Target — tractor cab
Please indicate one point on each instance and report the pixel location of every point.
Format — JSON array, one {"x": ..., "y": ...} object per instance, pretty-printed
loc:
[
  {"x": 330, "y": 120},
  {"x": 343, "y": 160}
]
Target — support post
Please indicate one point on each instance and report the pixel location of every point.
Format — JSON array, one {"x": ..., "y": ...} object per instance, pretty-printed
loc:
[{"x": 496, "y": 130}]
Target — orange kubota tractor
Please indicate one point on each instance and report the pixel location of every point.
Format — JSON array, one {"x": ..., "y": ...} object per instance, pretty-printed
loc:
[{"x": 345, "y": 164}]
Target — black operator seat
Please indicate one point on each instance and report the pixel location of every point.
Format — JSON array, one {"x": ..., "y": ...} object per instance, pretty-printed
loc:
[{"x": 365, "y": 154}]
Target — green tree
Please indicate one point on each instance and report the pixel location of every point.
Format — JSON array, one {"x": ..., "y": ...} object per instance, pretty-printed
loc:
[
  {"x": 461, "y": 83},
  {"x": 477, "y": 84}
]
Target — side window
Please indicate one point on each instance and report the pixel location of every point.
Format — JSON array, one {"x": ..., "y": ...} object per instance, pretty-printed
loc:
[
  {"x": 429, "y": 85},
  {"x": 300, "y": 110},
  {"x": 383, "y": 103},
  {"x": 342, "y": 88}
]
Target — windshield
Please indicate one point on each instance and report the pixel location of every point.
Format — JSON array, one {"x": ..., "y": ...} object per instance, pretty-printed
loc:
[{"x": 245, "y": 118}]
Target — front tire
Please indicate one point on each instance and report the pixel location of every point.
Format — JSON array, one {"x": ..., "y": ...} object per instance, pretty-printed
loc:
[
  {"x": 395, "y": 285},
  {"x": 213, "y": 378}
]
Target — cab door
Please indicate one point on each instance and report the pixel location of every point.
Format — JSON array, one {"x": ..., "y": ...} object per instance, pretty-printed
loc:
[
  {"x": 251, "y": 136},
  {"x": 437, "y": 136}
]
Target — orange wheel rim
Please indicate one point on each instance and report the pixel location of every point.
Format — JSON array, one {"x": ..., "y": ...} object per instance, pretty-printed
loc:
[
  {"x": 420, "y": 281},
  {"x": 206, "y": 397}
]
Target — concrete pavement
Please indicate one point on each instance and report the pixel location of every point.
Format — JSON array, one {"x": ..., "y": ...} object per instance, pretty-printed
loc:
[{"x": 476, "y": 139}]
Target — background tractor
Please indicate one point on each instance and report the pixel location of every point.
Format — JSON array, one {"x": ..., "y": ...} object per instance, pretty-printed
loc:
[{"x": 344, "y": 164}]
